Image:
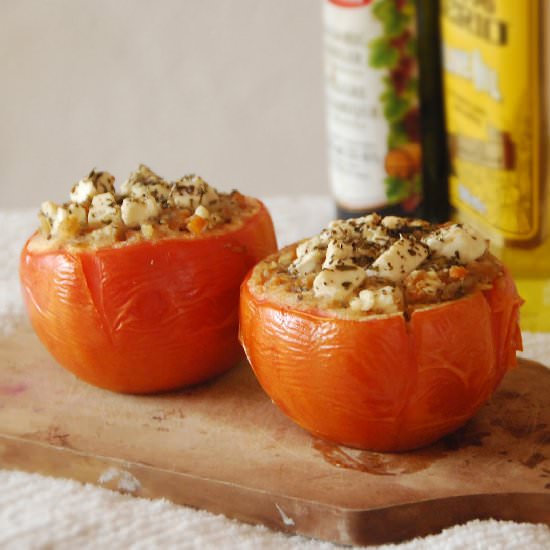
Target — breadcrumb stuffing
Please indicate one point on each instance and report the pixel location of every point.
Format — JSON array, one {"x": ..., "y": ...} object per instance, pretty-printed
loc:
[{"x": 145, "y": 207}]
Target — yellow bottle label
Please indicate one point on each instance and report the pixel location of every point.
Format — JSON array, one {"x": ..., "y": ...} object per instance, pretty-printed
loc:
[{"x": 492, "y": 88}]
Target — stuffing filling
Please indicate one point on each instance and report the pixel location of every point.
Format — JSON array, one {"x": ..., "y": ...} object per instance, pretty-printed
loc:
[
  {"x": 379, "y": 265},
  {"x": 145, "y": 207}
]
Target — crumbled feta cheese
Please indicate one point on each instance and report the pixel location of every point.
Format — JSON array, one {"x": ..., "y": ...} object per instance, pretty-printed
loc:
[
  {"x": 64, "y": 225},
  {"x": 126, "y": 188},
  {"x": 143, "y": 176},
  {"x": 136, "y": 211},
  {"x": 402, "y": 257},
  {"x": 104, "y": 210},
  {"x": 456, "y": 241},
  {"x": 397, "y": 222},
  {"x": 48, "y": 209},
  {"x": 95, "y": 183},
  {"x": 83, "y": 191},
  {"x": 309, "y": 245},
  {"x": 61, "y": 215},
  {"x": 338, "y": 252},
  {"x": 376, "y": 234},
  {"x": 147, "y": 230},
  {"x": 347, "y": 262},
  {"x": 339, "y": 230},
  {"x": 338, "y": 283},
  {"x": 79, "y": 212},
  {"x": 61, "y": 221},
  {"x": 307, "y": 263},
  {"x": 366, "y": 228},
  {"x": 145, "y": 199},
  {"x": 309, "y": 256},
  {"x": 370, "y": 219},
  {"x": 159, "y": 191},
  {"x": 144, "y": 182},
  {"x": 191, "y": 191},
  {"x": 388, "y": 299},
  {"x": 381, "y": 300},
  {"x": 104, "y": 182},
  {"x": 393, "y": 222}
]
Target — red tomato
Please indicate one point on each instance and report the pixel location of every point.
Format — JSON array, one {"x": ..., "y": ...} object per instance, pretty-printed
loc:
[
  {"x": 383, "y": 384},
  {"x": 145, "y": 317}
]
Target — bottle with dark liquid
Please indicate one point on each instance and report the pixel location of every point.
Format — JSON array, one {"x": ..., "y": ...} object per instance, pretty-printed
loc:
[{"x": 385, "y": 122}]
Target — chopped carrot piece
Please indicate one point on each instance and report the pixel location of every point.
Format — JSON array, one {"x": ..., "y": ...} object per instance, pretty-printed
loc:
[
  {"x": 197, "y": 225},
  {"x": 457, "y": 272},
  {"x": 178, "y": 218}
]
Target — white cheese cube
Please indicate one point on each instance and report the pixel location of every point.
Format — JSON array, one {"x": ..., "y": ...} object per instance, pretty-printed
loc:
[
  {"x": 393, "y": 222},
  {"x": 370, "y": 220},
  {"x": 397, "y": 222},
  {"x": 338, "y": 283},
  {"x": 159, "y": 191},
  {"x": 375, "y": 234},
  {"x": 104, "y": 210},
  {"x": 79, "y": 213},
  {"x": 309, "y": 257},
  {"x": 83, "y": 192},
  {"x": 191, "y": 192},
  {"x": 456, "y": 241},
  {"x": 136, "y": 211},
  {"x": 64, "y": 224},
  {"x": 381, "y": 300},
  {"x": 95, "y": 183},
  {"x": 60, "y": 221},
  {"x": 364, "y": 302},
  {"x": 341, "y": 230},
  {"x": 49, "y": 209},
  {"x": 147, "y": 230},
  {"x": 338, "y": 252},
  {"x": 367, "y": 228},
  {"x": 307, "y": 263},
  {"x": 61, "y": 215},
  {"x": 104, "y": 182},
  {"x": 402, "y": 257},
  {"x": 142, "y": 177},
  {"x": 308, "y": 245}
]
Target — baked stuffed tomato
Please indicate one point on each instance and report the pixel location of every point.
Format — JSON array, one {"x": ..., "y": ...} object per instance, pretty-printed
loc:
[
  {"x": 381, "y": 333},
  {"x": 138, "y": 291}
]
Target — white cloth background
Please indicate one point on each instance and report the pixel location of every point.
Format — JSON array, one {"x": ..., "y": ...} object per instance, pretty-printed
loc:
[{"x": 43, "y": 512}]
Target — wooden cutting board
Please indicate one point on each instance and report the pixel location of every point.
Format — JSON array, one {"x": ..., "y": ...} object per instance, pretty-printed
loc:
[{"x": 226, "y": 448}]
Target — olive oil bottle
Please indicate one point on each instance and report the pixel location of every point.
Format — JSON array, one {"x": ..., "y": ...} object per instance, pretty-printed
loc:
[
  {"x": 495, "y": 75},
  {"x": 386, "y": 139}
]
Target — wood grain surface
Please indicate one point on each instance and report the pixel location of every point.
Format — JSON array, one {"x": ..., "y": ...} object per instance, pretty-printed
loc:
[{"x": 225, "y": 447}]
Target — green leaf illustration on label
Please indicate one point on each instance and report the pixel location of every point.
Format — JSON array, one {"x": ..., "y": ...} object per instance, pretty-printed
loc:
[
  {"x": 382, "y": 54},
  {"x": 395, "y": 53},
  {"x": 396, "y": 189},
  {"x": 393, "y": 19}
]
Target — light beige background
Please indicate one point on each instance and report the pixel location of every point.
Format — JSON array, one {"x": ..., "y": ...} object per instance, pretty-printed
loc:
[{"x": 229, "y": 89}]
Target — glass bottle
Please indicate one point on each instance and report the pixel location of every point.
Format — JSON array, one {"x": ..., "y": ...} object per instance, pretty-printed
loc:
[
  {"x": 495, "y": 75},
  {"x": 386, "y": 138}
]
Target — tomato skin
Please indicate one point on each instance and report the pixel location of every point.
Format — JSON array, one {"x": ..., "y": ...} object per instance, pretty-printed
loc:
[
  {"x": 383, "y": 384},
  {"x": 145, "y": 317}
]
